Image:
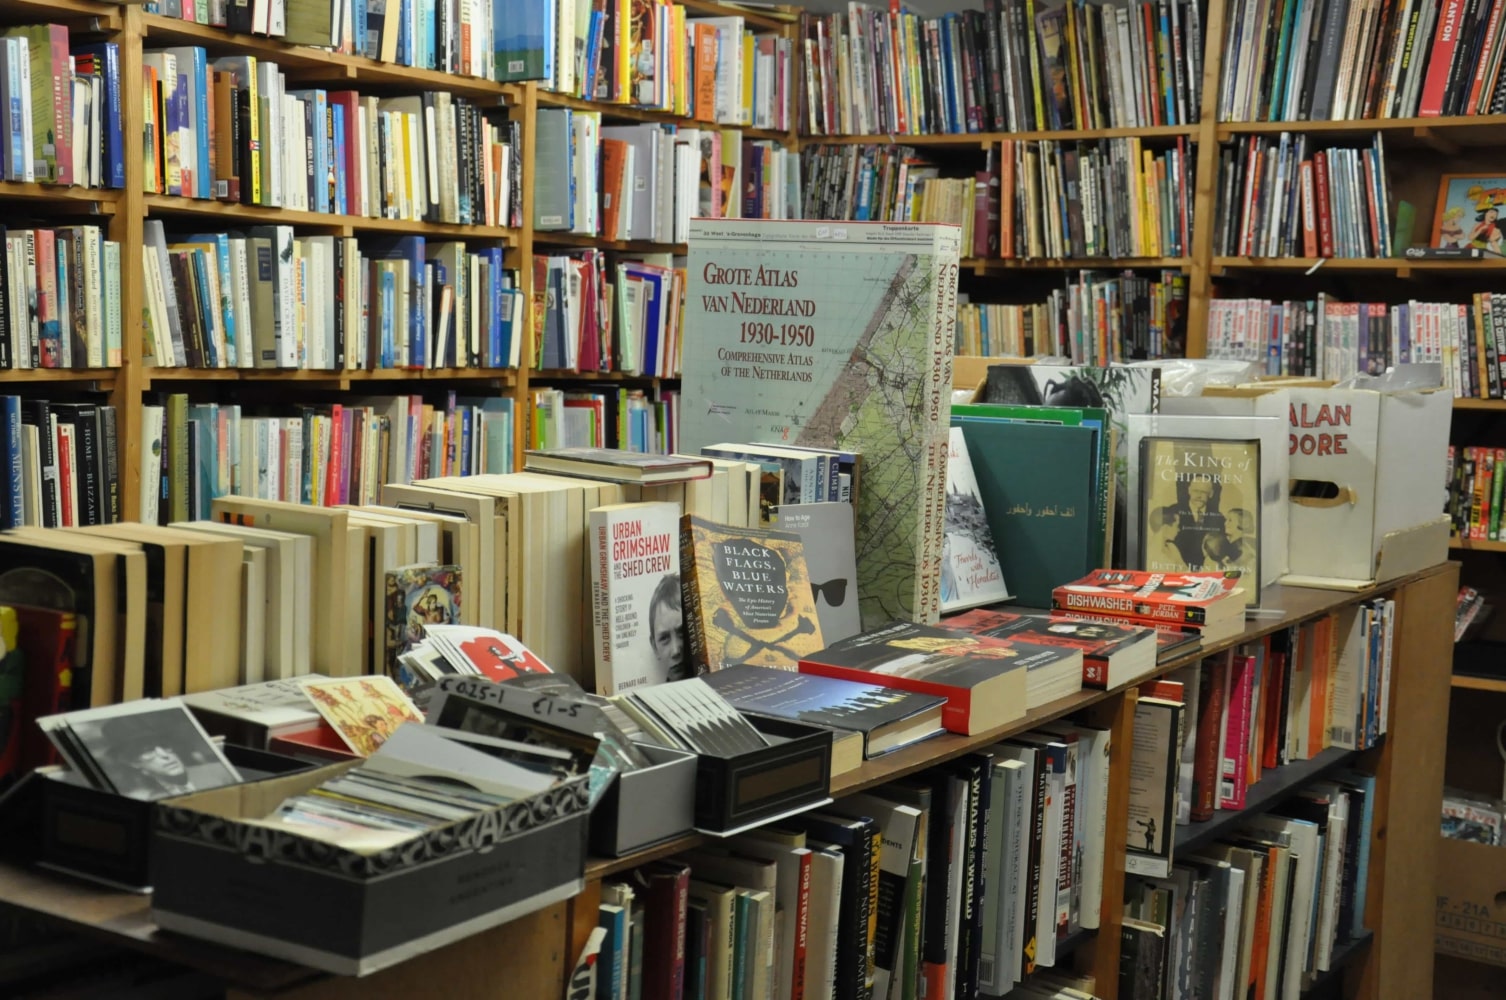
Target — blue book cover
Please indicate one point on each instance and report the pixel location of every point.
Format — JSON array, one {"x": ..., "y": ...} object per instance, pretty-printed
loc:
[
  {"x": 411, "y": 249},
  {"x": 389, "y": 306},
  {"x": 205, "y": 421},
  {"x": 13, "y": 510},
  {"x": 612, "y": 967},
  {"x": 404, "y": 32},
  {"x": 524, "y": 41},
  {"x": 504, "y": 304},
  {"x": 207, "y": 307},
  {"x": 107, "y": 56},
  {"x": 316, "y": 120},
  {"x": 202, "y": 181},
  {"x": 225, "y": 307},
  {"x": 341, "y": 205}
]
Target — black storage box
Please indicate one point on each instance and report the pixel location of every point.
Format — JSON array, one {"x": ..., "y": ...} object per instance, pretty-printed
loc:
[
  {"x": 267, "y": 890},
  {"x": 793, "y": 774}
]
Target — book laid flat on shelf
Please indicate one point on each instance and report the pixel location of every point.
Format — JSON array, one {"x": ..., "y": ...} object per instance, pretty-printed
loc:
[
  {"x": 888, "y": 718},
  {"x": 811, "y": 352},
  {"x": 1111, "y": 654},
  {"x": 620, "y": 466},
  {"x": 251, "y": 714},
  {"x": 636, "y": 596},
  {"x": 747, "y": 596},
  {"x": 1209, "y": 601},
  {"x": 826, "y": 533},
  {"x": 984, "y": 681},
  {"x": 970, "y": 574},
  {"x": 1200, "y": 507}
]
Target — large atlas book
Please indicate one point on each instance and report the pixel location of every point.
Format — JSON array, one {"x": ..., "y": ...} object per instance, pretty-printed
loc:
[{"x": 840, "y": 337}]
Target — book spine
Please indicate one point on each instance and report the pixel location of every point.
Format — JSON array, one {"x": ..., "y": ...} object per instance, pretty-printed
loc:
[
  {"x": 1234, "y": 765},
  {"x": 1207, "y": 758}
]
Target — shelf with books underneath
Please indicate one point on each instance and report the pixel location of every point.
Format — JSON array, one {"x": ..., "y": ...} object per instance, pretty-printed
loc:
[
  {"x": 232, "y": 213},
  {"x": 1399, "y": 266},
  {"x": 1469, "y": 403},
  {"x": 629, "y": 112},
  {"x": 315, "y": 63},
  {"x": 1457, "y": 544},
  {"x": 105, "y": 17},
  {"x": 1273, "y": 786},
  {"x": 585, "y": 241},
  {"x": 1469, "y": 683},
  {"x": 1446, "y": 134},
  {"x": 98, "y": 201},
  {"x": 771, "y": 19},
  {"x": 103, "y": 379},
  {"x": 982, "y": 265},
  {"x": 981, "y": 139},
  {"x": 335, "y": 379},
  {"x": 1297, "y": 605},
  {"x": 567, "y": 375}
]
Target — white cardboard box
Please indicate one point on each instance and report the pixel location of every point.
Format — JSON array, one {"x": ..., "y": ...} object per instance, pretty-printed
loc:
[{"x": 1382, "y": 456}]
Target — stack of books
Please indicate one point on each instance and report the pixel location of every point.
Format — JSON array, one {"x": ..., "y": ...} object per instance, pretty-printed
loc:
[
  {"x": 635, "y": 420},
  {"x": 59, "y": 463},
  {"x": 1210, "y": 604},
  {"x": 611, "y": 313},
  {"x": 60, "y": 299},
  {"x": 62, "y": 98},
  {"x": 1475, "y": 476}
]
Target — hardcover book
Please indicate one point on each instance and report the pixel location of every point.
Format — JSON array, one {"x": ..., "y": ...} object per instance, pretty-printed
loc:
[
  {"x": 525, "y": 41},
  {"x": 1200, "y": 507},
  {"x": 746, "y": 595},
  {"x": 1186, "y": 598},
  {"x": 616, "y": 465},
  {"x": 888, "y": 718},
  {"x": 1112, "y": 654},
  {"x": 826, "y": 531},
  {"x": 970, "y": 573},
  {"x": 835, "y": 337},
  {"x": 984, "y": 680},
  {"x": 636, "y": 599}
]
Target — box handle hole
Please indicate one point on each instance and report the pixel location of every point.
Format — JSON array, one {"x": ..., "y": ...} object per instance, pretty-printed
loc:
[{"x": 1320, "y": 493}]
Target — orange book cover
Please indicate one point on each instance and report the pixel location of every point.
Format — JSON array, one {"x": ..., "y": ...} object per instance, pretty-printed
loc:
[
  {"x": 1260, "y": 945},
  {"x": 613, "y": 170},
  {"x": 1317, "y": 722},
  {"x": 705, "y": 73},
  {"x": 1007, "y": 199}
]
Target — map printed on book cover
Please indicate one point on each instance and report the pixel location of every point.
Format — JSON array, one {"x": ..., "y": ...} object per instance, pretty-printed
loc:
[
  {"x": 835, "y": 336},
  {"x": 746, "y": 595}
]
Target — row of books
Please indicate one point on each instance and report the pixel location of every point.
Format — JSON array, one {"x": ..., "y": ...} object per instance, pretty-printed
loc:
[
  {"x": 1474, "y": 491},
  {"x": 1473, "y": 817},
  {"x": 1330, "y": 339},
  {"x": 1309, "y": 60},
  {"x": 610, "y": 313},
  {"x": 632, "y": 420},
  {"x": 63, "y": 119},
  {"x": 59, "y": 463},
  {"x": 936, "y": 882},
  {"x": 646, "y": 182},
  {"x": 712, "y": 69},
  {"x": 322, "y": 454},
  {"x": 447, "y": 35},
  {"x": 1009, "y": 67},
  {"x": 1277, "y": 199},
  {"x": 269, "y": 300},
  {"x": 1099, "y": 317},
  {"x": 230, "y": 129},
  {"x": 60, "y": 299}
]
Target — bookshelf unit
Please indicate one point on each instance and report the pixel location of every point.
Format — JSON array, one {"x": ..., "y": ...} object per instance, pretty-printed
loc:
[{"x": 533, "y": 955}]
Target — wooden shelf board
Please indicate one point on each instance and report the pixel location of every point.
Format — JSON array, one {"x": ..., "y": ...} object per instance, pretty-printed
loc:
[
  {"x": 630, "y": 112},
  {"x": 1469, "y": 683},
  {"x": 1274, "y": 785},
  {"x": 990, "y": 138},
  {"x": 1470, "y": 403},
  {"x": 981, "y": 265},
  {"x": 752, "y": 17},
  {"x": 1468, "y": 130},
  {"x": 1399, "y": 266},
  {"x": 547, "y": 238},
  {"x": 1477, "y": 544},
  {"x": 329, "y": 67},
  {"x": 566, "y": 375},
  {"x": 160, "y": 205},
  {"x": 104, "y": 200},
  {"x": 106, "y": 15},
  {"x": 1292, "y": 605},
  {"x": 104, "y": 377},
  {"x": 340, "y": 379}
]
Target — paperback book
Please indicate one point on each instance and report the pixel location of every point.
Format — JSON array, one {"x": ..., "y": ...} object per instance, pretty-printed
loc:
[
  {"x": 970, "y": 573},
  {"x": 826, "y": 532},
  {"x": 636, "y": 600},
  {"x": 1200, "y": 507}
]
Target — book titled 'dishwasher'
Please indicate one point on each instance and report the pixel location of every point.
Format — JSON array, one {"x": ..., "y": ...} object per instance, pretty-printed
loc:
[
  {"x": 835, "y": 335},
  {"x": 747, "y": 596}
]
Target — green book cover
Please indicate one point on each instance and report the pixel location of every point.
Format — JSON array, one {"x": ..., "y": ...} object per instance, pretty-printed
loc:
[
  {"x": 1495, "y": 496},
  {"x": 834, "y": 336},
  {"x": 1037, "y": 484}
]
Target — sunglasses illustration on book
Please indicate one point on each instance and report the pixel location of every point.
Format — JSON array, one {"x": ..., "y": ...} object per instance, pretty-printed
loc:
[{"x": 834, "y": 591}]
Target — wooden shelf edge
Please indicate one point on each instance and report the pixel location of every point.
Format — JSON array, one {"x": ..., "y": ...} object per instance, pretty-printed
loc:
[
  {"x": 548, "y": 238},
  {"x": 632, "y": 112},
  {"x": 565, "y": 375},
  {"x": 1453, "y": 123},
  {"x": 1475, "y": 544},
  {"x": 105, "y": 199},
  {"x": 160, "y": 205},
  {"x": 340, "y": 378},
  {"x": 981, "y": 264},
  {"x": 1468, "y": 683},
  {"x": 1472, "y": 403},
  {"x": 105, "y": 377},
  {"x": 1401, "y": 266},
  {"x": 990, "y": 138}
]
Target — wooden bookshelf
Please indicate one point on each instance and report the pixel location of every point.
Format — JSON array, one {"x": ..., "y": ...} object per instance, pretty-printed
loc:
[
  {"x": 1442, "y": 134},
  {"x": 1476, "y": 545},
  {"x": 980, "y": 139},
  {"x": 1471, "y": 403},
  {"x": 1495, "y": 685}
]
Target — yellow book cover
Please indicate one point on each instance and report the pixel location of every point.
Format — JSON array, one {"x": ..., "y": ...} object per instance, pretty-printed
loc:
[
  {"x": 1035, "y": 67},
  {"x": 1150, "y": 238},
  {"x": 363, "y": 710},
  {"x": 745, "y": 117}
]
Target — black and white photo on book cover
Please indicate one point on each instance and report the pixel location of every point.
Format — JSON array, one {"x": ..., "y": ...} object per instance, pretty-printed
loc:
[
  {"x": 144, "y": 750},
  {"x": 1200, "y": 506}
]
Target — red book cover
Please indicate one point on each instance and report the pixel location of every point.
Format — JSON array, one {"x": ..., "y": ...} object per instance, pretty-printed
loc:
[
  {"x": 666, "y": 898},
  {"x": 1273, "y": 696},
  {"x": 354, "y": 193},
  {"x": 1445, "y": 41},
  {"x": 62, "y": 101},
  {"x": 1207, "y": 750},
  {"x": 1098, "y": 641},
  {"x": 45, "y": 639},
  {"x": 336, "y": 460},
  {"x": 802, "y": 930},
  {"x": 1325, "y": 218},
  {"x": 66, "y": 456},
  {"x": 1190, "y": 598},
  {"x": 1233, "y": 769}
]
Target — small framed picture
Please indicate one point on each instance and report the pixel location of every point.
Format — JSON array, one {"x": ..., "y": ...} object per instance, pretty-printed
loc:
[{"x": 1470, "y": 212}]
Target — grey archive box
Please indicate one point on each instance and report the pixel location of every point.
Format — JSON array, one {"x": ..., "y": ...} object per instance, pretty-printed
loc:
[
  {"x": 217, "y": 876},
  {"x": 644, "y": 807}
]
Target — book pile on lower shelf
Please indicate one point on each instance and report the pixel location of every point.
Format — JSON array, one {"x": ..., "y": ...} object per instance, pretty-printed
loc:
[
  {"x": 59, "y": 299},
  {"x": 622, "y": 312},
  {"x": 968, "y": 878},
  {"x": 268, "y": 299},
  {"x": 636, "y": 420},
  {"x": 59, "y": 463},
  {"x": 1475, "y": 480},
  {"x": 321, "y": 454},
  {"x": 62, "y": 99},
  {"x": 1098, "y": 318},
  {"x": 428, "y": 157},
  {"x": 1332, "y": 339}
]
